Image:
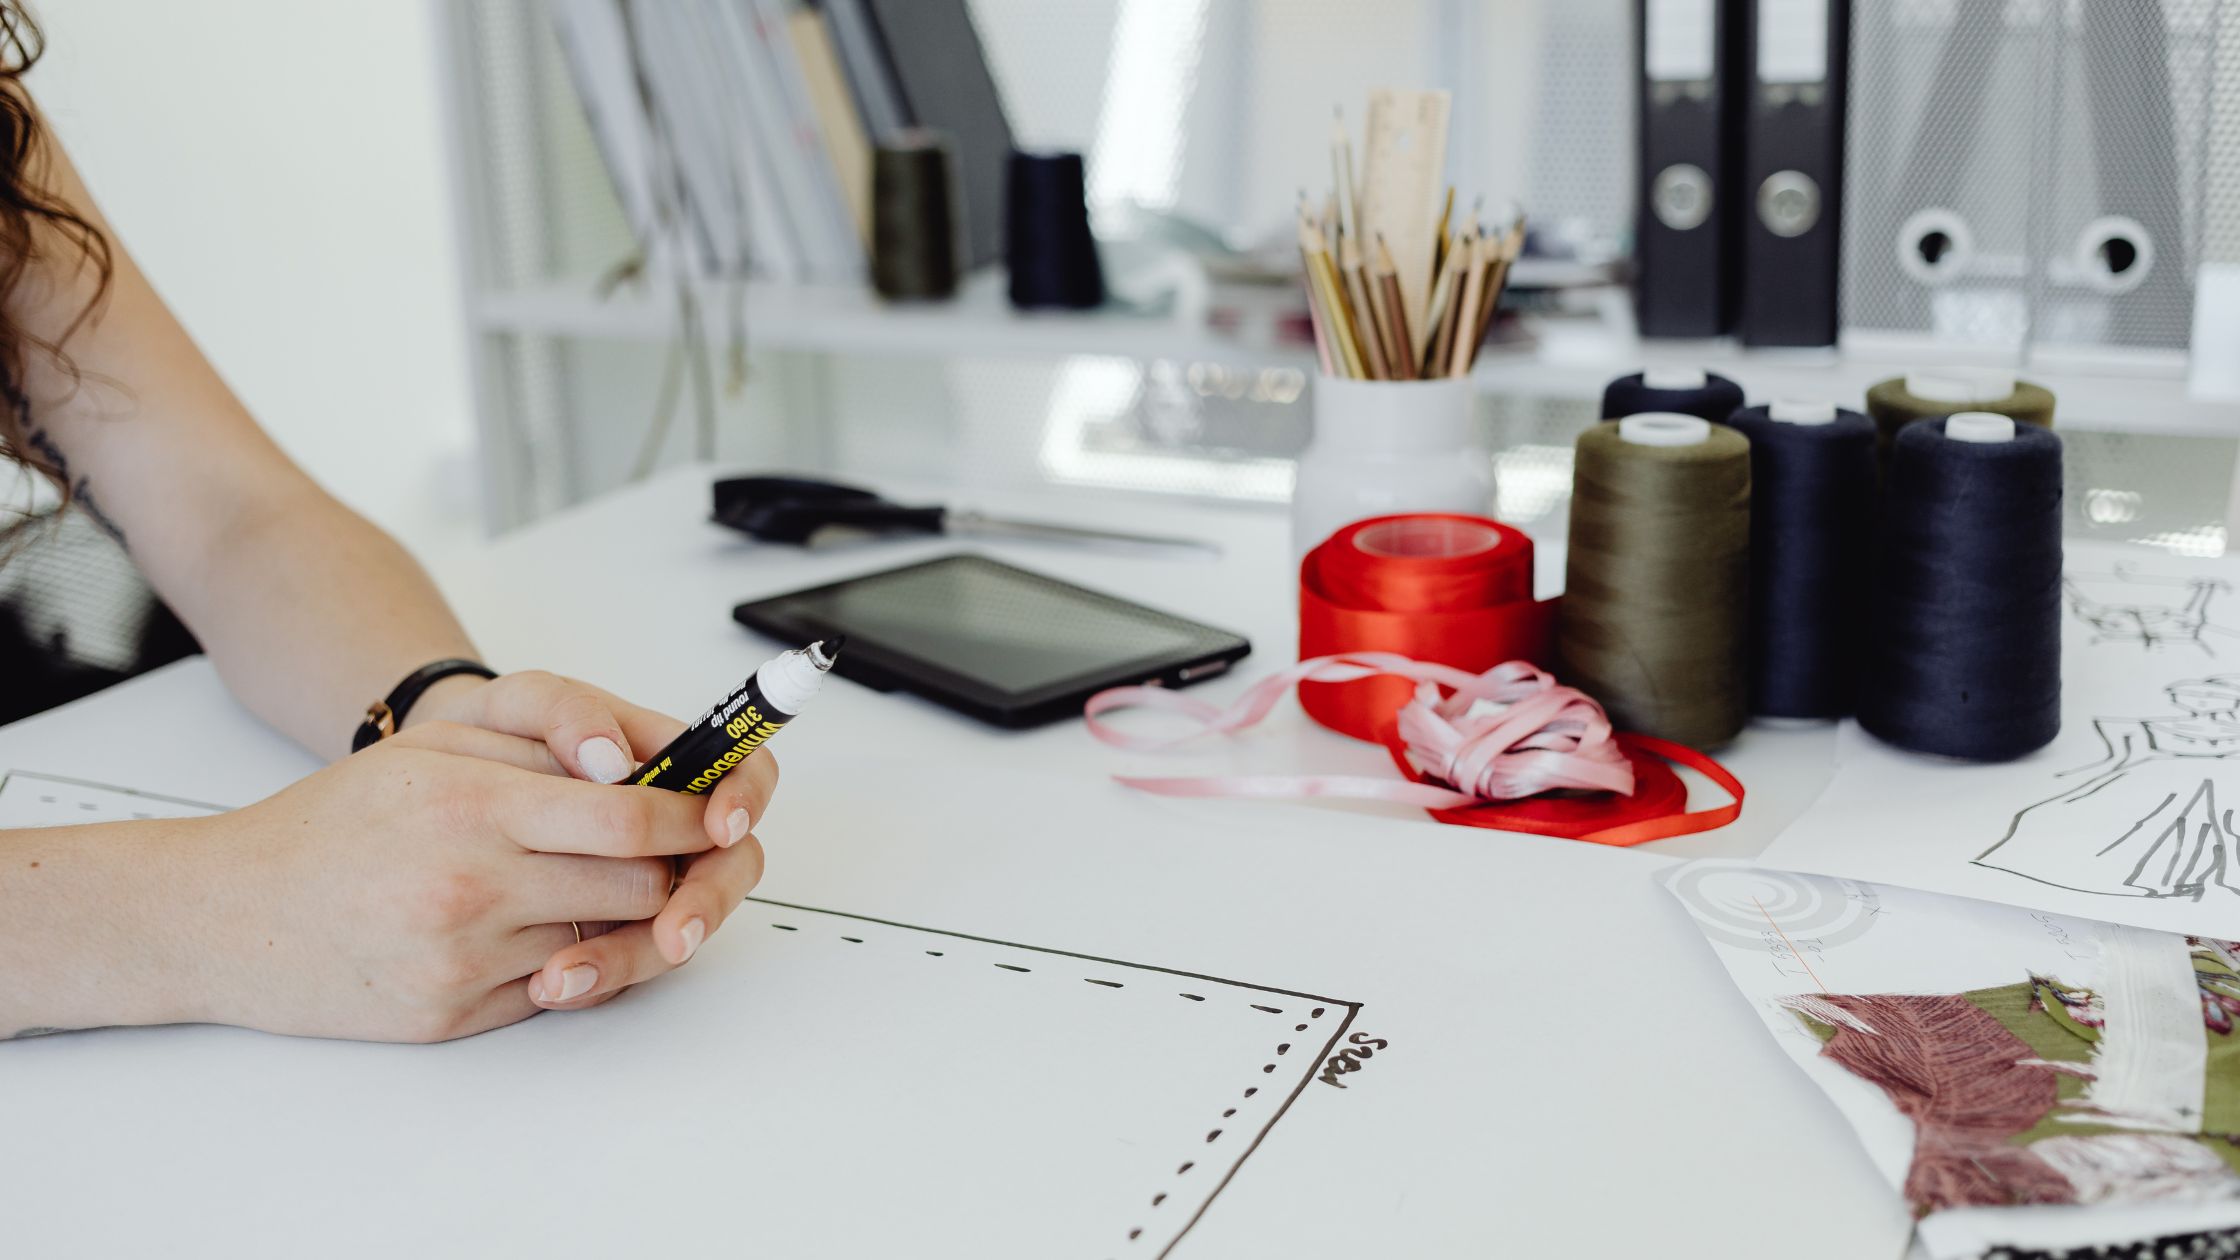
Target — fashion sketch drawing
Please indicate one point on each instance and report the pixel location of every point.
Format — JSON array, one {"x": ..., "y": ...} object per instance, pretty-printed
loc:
[
  {"x": 2153, "y": 612},
  {"x": 2153, "y": 816}
]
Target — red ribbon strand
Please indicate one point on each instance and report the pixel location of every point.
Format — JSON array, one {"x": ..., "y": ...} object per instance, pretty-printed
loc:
[{"x": 1406, "y": 624}]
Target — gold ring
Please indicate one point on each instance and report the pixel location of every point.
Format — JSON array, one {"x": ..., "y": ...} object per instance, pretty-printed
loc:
[{"x": 579, "y": 930}]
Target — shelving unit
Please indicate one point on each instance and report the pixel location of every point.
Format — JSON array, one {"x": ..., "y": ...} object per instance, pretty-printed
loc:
[{"x": 566, "y": 377}]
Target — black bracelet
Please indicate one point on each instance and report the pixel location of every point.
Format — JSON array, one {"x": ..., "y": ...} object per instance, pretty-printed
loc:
[{"x": 383, "y": 717}]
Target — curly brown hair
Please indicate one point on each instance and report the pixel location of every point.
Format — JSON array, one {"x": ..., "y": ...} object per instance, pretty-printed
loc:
[{"x": 36, "y": 227}]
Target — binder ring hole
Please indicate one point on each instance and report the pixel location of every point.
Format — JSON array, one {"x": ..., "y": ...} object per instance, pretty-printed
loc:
[
  {"x": 2114, "y": 254},
  {"x": 1935, "y": 246}
]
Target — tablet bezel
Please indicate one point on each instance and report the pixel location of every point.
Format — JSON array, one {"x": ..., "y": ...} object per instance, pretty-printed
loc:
[{"x": 887, "y": 667}]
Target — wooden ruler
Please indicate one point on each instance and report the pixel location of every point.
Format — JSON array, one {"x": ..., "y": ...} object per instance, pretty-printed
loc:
[{"x": 1402, "y": 180}]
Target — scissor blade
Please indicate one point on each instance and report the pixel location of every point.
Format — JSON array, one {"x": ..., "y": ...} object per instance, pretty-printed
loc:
[{"x": 975, "y": 524}]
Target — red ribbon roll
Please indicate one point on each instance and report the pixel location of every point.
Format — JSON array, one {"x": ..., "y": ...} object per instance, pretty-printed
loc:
[{"x": 1439, "y": 587}]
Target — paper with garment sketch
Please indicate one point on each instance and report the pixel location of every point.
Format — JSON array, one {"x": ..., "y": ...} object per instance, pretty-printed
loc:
[
  {"x": 874, "y": 1045},
  {"x": 2127, "y": 816},
  {"x": 2002, "y": 1066}
]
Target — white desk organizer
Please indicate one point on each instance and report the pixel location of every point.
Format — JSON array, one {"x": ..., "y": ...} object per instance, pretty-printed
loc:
[{"x": 1382, "y": 447}]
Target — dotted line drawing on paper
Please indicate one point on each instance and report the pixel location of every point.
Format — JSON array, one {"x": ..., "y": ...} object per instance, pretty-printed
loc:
[{"x": 1305, "y": 1029}]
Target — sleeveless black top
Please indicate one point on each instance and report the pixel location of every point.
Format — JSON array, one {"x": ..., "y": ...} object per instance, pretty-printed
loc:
[{"x": 75, "y": 615}]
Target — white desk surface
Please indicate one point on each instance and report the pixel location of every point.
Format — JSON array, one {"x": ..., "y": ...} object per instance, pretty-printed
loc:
[{"x": 1570, "y": 1071}]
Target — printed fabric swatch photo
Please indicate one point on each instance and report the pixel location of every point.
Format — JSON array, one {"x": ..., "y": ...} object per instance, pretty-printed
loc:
[{"x": 2019, "y": 1094}]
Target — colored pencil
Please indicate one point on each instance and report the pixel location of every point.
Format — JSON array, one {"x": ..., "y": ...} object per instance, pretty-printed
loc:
[
  {"x": 1399, "y": 349},
  {"x": 1359, "y": 296},
  {"x": 1345, "y": 345}
]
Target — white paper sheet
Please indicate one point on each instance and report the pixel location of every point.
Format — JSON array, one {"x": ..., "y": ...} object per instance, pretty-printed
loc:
[
  {"x": 800, "y": 1093},
  {"x": 41, "y": 800},
  {"x": 1040, "y": 1054},
  {"x": 2127, "y": 816},
  {"x": 1003, "y": 1099},
  {"x": 1782, "y": 934}
]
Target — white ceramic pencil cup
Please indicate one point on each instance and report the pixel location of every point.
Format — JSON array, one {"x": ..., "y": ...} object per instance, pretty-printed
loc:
[{"x": 1382, "y": 447}]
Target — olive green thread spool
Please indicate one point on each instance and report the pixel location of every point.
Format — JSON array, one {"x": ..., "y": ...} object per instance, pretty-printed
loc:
[
  {"x": 916, "y": 229},
  {"x": 1656, "y": 592},
  {"x": 1931, "y": 393}
]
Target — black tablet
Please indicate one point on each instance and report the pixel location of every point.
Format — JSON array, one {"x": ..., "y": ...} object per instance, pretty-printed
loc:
[{"x": 1001, "y": 643}]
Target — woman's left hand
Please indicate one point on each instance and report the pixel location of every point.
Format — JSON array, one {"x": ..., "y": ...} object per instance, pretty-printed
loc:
[{"x": 593, "y": 734}]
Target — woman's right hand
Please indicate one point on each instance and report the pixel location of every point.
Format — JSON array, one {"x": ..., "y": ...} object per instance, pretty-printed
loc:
[{"x": 409, "y": 891}]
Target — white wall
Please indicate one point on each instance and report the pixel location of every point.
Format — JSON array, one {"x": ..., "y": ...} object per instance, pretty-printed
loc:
[{"x": 277, "y": 169}]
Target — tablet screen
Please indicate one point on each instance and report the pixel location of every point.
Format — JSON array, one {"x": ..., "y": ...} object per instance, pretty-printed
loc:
[
  {"x": 970, "y": 622},
  {"x": 988, "y": 623}
]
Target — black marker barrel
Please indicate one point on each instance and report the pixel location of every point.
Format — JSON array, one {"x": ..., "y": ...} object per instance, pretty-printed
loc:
[{"x": 728, "y": 734}]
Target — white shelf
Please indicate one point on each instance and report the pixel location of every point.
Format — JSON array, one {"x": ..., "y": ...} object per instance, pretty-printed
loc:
[
  {"x": 851, "y": 319},
  {"x": 1574, "y": 356}
]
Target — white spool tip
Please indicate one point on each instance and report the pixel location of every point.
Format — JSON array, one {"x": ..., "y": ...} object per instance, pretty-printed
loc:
[
  {"x": 1664, "y": 428},
  {"x": 1674, "y": 378},
  {"x": 1979, "y": 426},
  {"x": 1960, "y": 384},
  {"x": 1801, "y": 411}
]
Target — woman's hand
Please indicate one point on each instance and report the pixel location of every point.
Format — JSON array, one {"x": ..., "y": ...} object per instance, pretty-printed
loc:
[
  {"x": 417, "y": 891},
  {"x": 594, "y": 735},
  {"x": 423, "y": 889}
]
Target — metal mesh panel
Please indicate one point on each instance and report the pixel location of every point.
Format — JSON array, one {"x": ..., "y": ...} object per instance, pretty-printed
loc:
[
  {"x": 2031, "y": 172},
  {"x": 1582, "y": 132},
  {"x": 2120, "y": 212},
  {"x": 2220, "y": 167}
]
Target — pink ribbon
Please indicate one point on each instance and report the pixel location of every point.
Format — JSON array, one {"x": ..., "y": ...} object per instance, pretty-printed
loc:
[{"x": 1543, "y": 736}]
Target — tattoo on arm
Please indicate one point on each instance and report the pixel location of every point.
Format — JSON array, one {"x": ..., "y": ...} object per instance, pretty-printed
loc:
[{"x": 81, "y": 489}]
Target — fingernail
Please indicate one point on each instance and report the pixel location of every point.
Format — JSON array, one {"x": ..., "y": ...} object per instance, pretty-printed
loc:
[
  {"x": 536, "y": 987},
  {"x": 576, "y": 981},
  {"x": 602, "y": 759},
  {"x": 735, "y": 826},
  {"x": 694, "y": 932}
]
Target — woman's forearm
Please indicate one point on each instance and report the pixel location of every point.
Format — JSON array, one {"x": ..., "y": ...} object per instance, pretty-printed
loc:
[
  {"x": 92, "y": 928},
  {"x": 311, "y": 612}
]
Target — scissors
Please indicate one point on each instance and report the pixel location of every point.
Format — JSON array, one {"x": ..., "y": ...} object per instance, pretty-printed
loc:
[{"x": 809, "y": 513}]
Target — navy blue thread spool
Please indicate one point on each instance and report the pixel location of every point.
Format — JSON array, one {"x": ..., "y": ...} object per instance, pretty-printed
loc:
[
  {"x": 1812, "y": 478},
  {"x": 1047, "y": 246},
  {"x": 1964, "y": 651},
  {"x": 1688, "y": 391}
]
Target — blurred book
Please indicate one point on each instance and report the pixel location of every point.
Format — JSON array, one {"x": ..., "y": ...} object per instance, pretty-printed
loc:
[
  {"x": 844, "y": 139},
  {"x": 727, "y": 152},
  {"x": 863, "y": 54},
  {"x": 941, "y": 75}
]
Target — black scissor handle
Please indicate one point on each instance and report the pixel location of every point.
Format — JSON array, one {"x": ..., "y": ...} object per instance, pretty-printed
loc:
[{"x": 793, "y": 509}]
